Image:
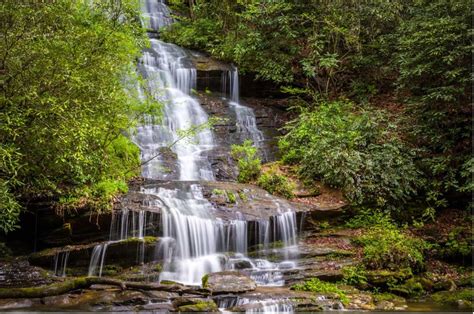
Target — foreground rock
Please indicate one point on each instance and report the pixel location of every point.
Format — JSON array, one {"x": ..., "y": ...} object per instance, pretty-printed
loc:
[{"x": 228, "y": 282}]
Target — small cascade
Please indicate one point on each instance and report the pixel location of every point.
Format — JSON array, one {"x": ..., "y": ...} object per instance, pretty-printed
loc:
[
  {"x": 60, "y": 263},
  {"x": 97, "y": 259},
  {"x": 155, "y": 14},
  {"x": 271, "y": 306},
  {"x": 245, "y": 117},
  {"x": 133, "y": 224},
  {"x": 255, "y": 306}
]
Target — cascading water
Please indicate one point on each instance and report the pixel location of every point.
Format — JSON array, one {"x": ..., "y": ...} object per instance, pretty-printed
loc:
[
  {"x": 60, "y": 263},
  {"x": 246, "y": 122},
  {"x": 170, "y": 78}
]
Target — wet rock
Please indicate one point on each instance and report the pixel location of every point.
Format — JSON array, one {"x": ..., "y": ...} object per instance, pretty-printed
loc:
[
  {"x": 19, "y": 273},
  {"x": 242, "y": 264},
  {"x": 120, "y": 254},
  {"x": 385, "y": 306},
  {"x": 57, "y": 300},
  {"x": 161, "y": 296},
  {"x": 228, "y": 282},
  {"x": 12, "y": 304},
  {"x": 158, "y": 307},
  {"x": 127, "y": 298}
]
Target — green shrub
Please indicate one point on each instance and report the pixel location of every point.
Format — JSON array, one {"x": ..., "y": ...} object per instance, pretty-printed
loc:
[
  {"x": 354, "y": 275},
  {"x": 358, "y": 152},
  {"x": 457, "y": 244},
  {"x": 387, "y": 247},
  {"x": 231, "y": 197},
  {"x": 369, "y": 218},
  {"x": 248, "y": 162},
  {"x": 316, "y": 285},
  {"x": 276, "y": 184},
  {"x": 9, "y": 208}
]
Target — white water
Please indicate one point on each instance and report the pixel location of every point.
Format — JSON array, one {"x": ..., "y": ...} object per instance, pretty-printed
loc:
[
  {"x": 256, "y": 306},
  {"x": 246, "y": 122},
  {"x": 155, "y": 14},
  {"x": 60, "y": 263},
  {"x": 171, "y": 77}
]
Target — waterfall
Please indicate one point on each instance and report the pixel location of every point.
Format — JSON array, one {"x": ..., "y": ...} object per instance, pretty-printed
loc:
[
  {"x": 171, "y": 77},
  {"x": 155, "y": 14},
  {"x": 271, "y": 306},
  {"x": 255, "y": 306},
  {"x": 97, "y": 259},
  {"x": 246, "y": 122},
  {"x": 60, "y": 263},
  {"x": 193, "y": 241}
]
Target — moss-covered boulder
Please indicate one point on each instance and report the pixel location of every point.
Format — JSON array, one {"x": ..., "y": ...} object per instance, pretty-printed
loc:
[
  {"x": 462, "y": 298},
  {"x": 184, "y": 304}
]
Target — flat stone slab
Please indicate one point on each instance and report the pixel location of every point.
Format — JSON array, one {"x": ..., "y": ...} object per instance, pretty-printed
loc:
[{"x": 229, "y": 282}]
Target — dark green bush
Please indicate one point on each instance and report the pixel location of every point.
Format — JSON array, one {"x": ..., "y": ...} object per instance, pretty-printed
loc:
[
  {"x": 387, "y": 247},
  {"x": 276, "y": 184},
  {"x": 358, "y": 152}
]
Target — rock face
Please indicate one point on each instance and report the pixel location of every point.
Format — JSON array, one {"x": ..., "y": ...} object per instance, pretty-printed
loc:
[
  {"x": 122, "y": 254},
  {"x": 228, "y": 282},
  {"x": 270, "y": 116}
]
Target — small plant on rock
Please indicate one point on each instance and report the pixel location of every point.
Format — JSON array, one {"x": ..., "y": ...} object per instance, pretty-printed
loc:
[
  {"x": 316, "y": 285},
  {"x": 248, "y": 162}
]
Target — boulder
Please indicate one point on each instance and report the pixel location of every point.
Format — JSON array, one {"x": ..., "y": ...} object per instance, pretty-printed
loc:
[{"x": 228, "y": 282}]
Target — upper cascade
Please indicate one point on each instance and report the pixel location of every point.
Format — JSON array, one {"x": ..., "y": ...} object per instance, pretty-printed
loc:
[{"x": 170, "y": 78}]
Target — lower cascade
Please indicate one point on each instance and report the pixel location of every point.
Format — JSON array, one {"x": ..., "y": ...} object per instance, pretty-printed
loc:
[{"x": 194, "y": 242}]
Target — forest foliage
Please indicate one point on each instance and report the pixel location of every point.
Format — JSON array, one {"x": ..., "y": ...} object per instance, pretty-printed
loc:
[
  {"x": 381, "y": 89},
  {"x": 68, "y": 97}
]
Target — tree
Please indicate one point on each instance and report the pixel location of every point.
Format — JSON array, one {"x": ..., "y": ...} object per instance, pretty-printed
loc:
[{"x": 67, "y": 100}]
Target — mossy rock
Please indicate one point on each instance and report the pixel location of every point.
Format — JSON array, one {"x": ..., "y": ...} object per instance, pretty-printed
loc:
[
  {"x": 444, "y": 284},
  {"x": 184, "y": 304},
  {"x": 462, "y": 298},
  {"x": 410, "y": 288},
  {"x": 384, "y": 278},
  {"x": 203, "y": 306},
  {"x": 466, "y": 281}
]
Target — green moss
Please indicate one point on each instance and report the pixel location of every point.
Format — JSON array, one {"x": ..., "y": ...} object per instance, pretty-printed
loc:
[
  {"x": 168, "y": 282},
  {"x": 158, "y": 267},
  {"x": 111, "y": 270},
  {"x": 386, "y": 278},
  {"x": 218, "y": 192},
  {"x": 379, "y": 297},
  {"x": 243, "y": 196},
  {"x": 316, "y": 285},
  {"x": 410, "y": 288},
  {"x": 202, "y": 306},
  {"x": 204, "y": 280},
  {"x": 276, "y": 244},
  {"x": 147, "y": 240}
]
